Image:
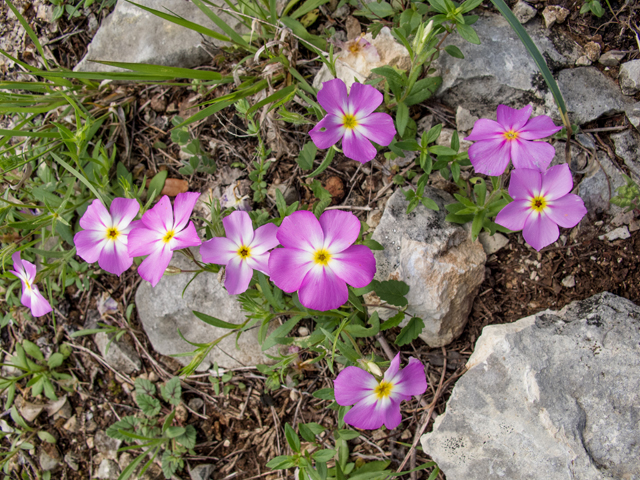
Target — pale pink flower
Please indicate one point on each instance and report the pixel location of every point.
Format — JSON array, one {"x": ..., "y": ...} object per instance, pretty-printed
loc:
[{"x": 31, "y": 296}]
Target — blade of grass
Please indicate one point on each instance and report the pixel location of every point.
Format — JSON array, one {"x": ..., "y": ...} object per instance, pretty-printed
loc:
[
  {"x": 307, "y": 7},
  {"x": 78, "y": 175},
  {"x": 279, "y": 95},
  {"x": 23, "y": 133},
  {"x": 173, "y": 72},
  {"x": 225, "y": 27}
]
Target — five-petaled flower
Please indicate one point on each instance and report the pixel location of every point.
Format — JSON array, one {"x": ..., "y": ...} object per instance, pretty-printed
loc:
[
  {"x": 104, "y": 238},
  {"x": 351, "y": 118},
  {"x": 31, "y": 296},
  {"x": 242, "y": 250},
  {"x": 158, "y": 234},
  {"x": 541, "y": 202},
  {"x": 377, "y": 402},
  {"x": 319, "y": 258},
  {"x": 510, "y": 139}
]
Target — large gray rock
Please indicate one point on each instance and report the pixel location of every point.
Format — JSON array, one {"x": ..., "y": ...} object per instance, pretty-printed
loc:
[
  {"x": 131, "y": 34},
  {"x": 553, "y": 396},
  {"x": 437, "y": 259},
  {"x": 627, "y": 145},
  {"x": 500, "y": 70},
  {"x": 594, "y": 188},
  {"x": 163, "y": 309},
  {"x": 630, "y": 77}
]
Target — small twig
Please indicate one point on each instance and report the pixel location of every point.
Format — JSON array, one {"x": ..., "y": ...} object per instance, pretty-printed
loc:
[
  {"x": 385, "y": 346},
  {"x": 97, "y": 357},
  {"x": 349, "y": 207}
]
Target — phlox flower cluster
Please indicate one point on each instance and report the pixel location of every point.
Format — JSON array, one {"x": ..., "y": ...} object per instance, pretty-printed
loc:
[{"x": 31, "y": 296}]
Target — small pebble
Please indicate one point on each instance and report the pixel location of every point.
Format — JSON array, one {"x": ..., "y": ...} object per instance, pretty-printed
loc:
[
  {"x": 619, "y": 233},
  {"x": 569, "y": 281}
]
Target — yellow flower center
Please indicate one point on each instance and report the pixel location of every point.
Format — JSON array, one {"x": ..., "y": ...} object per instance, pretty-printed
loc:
[
  {"x": 349, "y": 121},
  {"x": 168, "y": 236},
  {"x": 244, "y": 252},
  {"x": 538, "y": 204},
  {"x": 511, "y": 135},
  {"x": 383, "y": 389},
  {"x": 112, "y": 233},
  {"x": 28, "y": 285},
  {"x": 322, "y": 257}
]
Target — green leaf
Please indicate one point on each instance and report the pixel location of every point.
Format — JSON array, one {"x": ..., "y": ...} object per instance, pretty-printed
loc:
[
  {"x": 307, "y": 7},
  {"x": 286, "y": 92},
  {"x": 161, "y": 70},
  {"x": 393, "y": 321},
  {"x": 380, "y": 9},
  {"x": 173, "y": 432},
  {"x": 431, "y": 136},
  {"x": 402, "y": 117},
  {"x": 215, "y": 321},
  {"x": 468, "y": 33},
  {"x": 310, "y": 430},
  {"x": 423, "y": 90},
  {"x": 292, "y": 438},
  {"x": 169, "y": 464},
  {"x": 346, "y": 434},
  {"x": 224, "y": 26},
  {"x": 55, "y": 360},
  {"x": 150, "y": 406},
  {"x": 145, "y": 386},
  {"x": 469, "y": 5},
  {"x": 410, "y": 332},
  {"x": 324, "y": 455},
  {"x": 171, "y": 391},
  {"x": 188, "y": 438},
  {"x": 441, "y": 150},
  {"x": 281, "y": 332},
  {"x": 454, "y": 51},
  {"x": 32, "y": 350},
  {"x": 280, "y": 463},
  {"x": 157, "y": 183},
  {"x": 324, "y": 394},
  {"x": 430, "y": 204},
  {"x": 307, "y": 156},
  {"x": 392, "y": 291},
  {"x": 325, "y": 163},
  {"x": 319, "y": 191},
  {"x": 476, "y": 226},
  {"x": 46, "y": 437},
  {"x": 127, "y": 424}
]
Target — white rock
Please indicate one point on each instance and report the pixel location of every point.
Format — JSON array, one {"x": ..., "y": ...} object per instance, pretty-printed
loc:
[
  {"x": 201, "y": 472},
  {"x": 106, "y": 445},
  {"x": 569, "y": 281},
  {"x": 611, "y": 58},
  {"x": 627, "y": 145},
  {"x": 553, "y": 14},
  {"x": 464, "y": 119},
  {"x": 622, "y": 218},
  {"x": 492, "y": 243},
  {"x": 620, "y": 233},
  {"x": 523, "y": 11},
  {"x": 583, "y": 61},
  {"x": 629, "y": 77},
  {"x": 47, "y": 462},
  {"x": 594, "y": 187},
  {"x": 445, "y": 140},
  {"x": 592, "y": 50},
  {"x": 120, "y": 355},
  {"x": 108, "y": 470}
]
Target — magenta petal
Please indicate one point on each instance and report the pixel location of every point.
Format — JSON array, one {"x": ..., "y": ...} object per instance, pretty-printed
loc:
[
  {"x": 259, "y": 262},
  {"x": 328, "y": 131},
  {"x": 17, "y": 262},
  {"x": 566, "y": 211},
  {"x": 528, "y": 154},
  {"x": 186, "y": 238},
  {"x": 514, "y": 215},
  {"x": 142, "y": 241},
  {"x": 27, "y": 293},
  {"x": 525, "y": 183},
  {"x": 89, "y": 244},
  {"x": 288, "y": 268},
  {"x": 160, "y": 217},
  {"x": 182, "y": 207},
  {"x": 152, "y": 268},
  {"x": 512, "y": 119},
  {"x": 352, "y": 385},
  {"x": 366, "y": 414},
  {"x": 490, "y": 157},
  {"x": 218, "y": 250},
  {"x": 485, "y": 129},
  {"x": 238, "y": 276},
  {"x": 238, "y": 228},
  {"x": 363, "y": 100},
  {"x": 357, "y": 147},
  {"x": 356, "y": 265},
  {"x": 538, "y": 127},
  {"x": 322, "y": 289},
  {"x": 540, "y": 231},
  {"x": 264, "y": 239},
  {"x": 123, "y": 211},
  {"x": 333, "y": 97},
  {"x": 393, "y": 417},
  {"x": 301, "y": 230},
  {"x": 341, "y": 229},
  {"x": 556, "y": 182},
  {"x": 377, "y": 127},
  {"x": 393, "y": 369},
  {"x": 114, "y": 257},
  {"x": 411, "y": 380},
  {"x": 39, "y": 305},
  {"x": 30, "y": 271},
  {"x": 96, "y": 217}
]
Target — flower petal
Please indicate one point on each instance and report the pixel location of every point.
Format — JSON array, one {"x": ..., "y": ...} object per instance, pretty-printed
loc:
[
  {"x": 114, "y": 257},
  {"x": 333, "y": 97},
  {"x": 357, "y": 147},
  {"x": 485, "y": 129},
  {"x": 566, "y": 211},
  {"x": 27, "y": 293},
  {"x": 123, "y": 211},
  {"x": 393, "y": 417},
  {"x": 340, "y": 228},
  {"x": 182, "y": 207},
  {"x": 556, "y": 182},
  {"x": 490, "y": 157},
  {"x": 363, "y": 100},
  {"x": 17, "y": 262},
  {"x": 514, "y": 215},
  {"x": 528, "y": 154},
  {"x": 259, "y": 262},
  {"x": 160, "y": 217},
  {"x": 328, "y": 131},
  {"x": 540, "y": 230},
  {"x": 525, "y": 183},
  {"x": 26, "y": 269},
  {"x": 377, "y": 127},
  {"x": 218, "y": 250},
  {"x": 186, "y": 238},
  {"x": 356, "y": 265},
  {"x": 394, "y": 366},
  {"x": 39, "y": 305},
  {"x": 411, "y": 380},
  {"x": 366, "y": 415},
  {"x": 322, "y": 290},
  {"x": 152, "y": 268},
  {"x": 96, "y": 217},
  {"x": 513, "y": 119},
  {"x": 301, "y": 230},
  {"x": 238, "y": 228},
  {"x": 89, "y": 244},
  {"x": 238, "y": 276},
  {"x": 352, "y": 385},
  {"x": 143, "y": 241},
  {"x": 288, "y": 267},
  {"x": 264, "y": 239},
  {"x": 538, "y": 127}
]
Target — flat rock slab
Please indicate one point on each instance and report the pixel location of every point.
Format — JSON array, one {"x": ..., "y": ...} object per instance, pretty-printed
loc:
[
  {"x": 163, "y": 309},
  {"x": 553, "y": 396},
  {"x": 131, "y": 34}
]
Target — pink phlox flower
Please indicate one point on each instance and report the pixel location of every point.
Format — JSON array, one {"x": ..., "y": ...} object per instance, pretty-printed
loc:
[
  {"x": 377, "y": 402},
  {"x": 160, "y": 233},
  {"x": 105, "y": 235},
  {"x": 510, "y": 139},
  {"x": 541, "y": 202},
  {"x": 31, "y": 296},
  {"x": 319, "y": 258},
  {"x": 242, "y": 250},
  {"x": 351, "y": 118}
]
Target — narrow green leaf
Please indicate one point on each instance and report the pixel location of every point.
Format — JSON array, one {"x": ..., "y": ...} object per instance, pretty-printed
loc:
[
  {"x": 292, "y": 438},
  {"x": 307, "y": 7},
  {"x": 224, "y": 26},
  {"x": 402, "y": 118},
  {"x": 325, "y": 163},
  {"x": 279, "y": 95},
  {"x": 215, "y": 321},
  {"x": 78, "y": 175},
  {"x": 410, "y": 332},
  {"x": 161, "y": 70},
  {"x": 307, "y": 156},
  {"x": 393, "y": 321}
]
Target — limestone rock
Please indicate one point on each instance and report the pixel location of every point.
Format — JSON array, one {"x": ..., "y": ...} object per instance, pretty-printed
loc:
[
  {"x": 492, "y": 243},
  {"x": 119, "y": 355},
  {"x": 48, "y": 461},
  {"x": 557, "y": 393},
  {"x": 163, "y": 310},
  {"x": 437, "y": 259},
  {"x": 553, "y": 14},
  {"x": 627, "y": 145},
  {"x": 464, "y": 119},
  {"x": 106, "y": 445},
  {"x": 583, "y": 61},
  {"x": 592, "y": 50},
  {"x": 201, "y": 472},
  {"x": 633, "y": 114},
  {"x": 523, "y": 11},
  {"x": 131, "y": 34},
  {"x": 620, "y": 233},
  {"x": 594, "y": 188},
  {"x": 444, "y": 139},
  {"x": 630, "y": 77},
  {"x": 108, "y": 470},
  {"x": 611, "y": 58}
]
